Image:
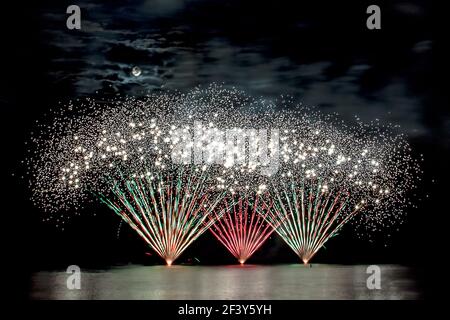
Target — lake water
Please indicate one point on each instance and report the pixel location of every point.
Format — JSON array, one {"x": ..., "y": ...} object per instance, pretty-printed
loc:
[{"x": 228, "y": 282}]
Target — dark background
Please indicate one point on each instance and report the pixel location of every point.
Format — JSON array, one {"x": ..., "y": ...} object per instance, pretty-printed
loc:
[{"x": 318, "y": 51}]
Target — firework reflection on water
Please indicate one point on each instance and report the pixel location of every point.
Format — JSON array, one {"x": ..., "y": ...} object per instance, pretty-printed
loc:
[{"x": 229, "y": 282}]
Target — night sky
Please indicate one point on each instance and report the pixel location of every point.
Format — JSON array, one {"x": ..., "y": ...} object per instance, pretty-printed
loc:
[{"x": 320, "y": 52}]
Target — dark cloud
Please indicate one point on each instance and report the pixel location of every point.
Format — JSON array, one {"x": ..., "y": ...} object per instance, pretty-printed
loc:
[{"x": 169, "y": 41}]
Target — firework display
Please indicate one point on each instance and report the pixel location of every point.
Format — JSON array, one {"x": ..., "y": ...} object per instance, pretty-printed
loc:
[
  {"x": 168, "y": 212},
  {"x": 309, "y": 214},
  {"x": 243, "y": 228},
  {"x": 164, "y": 162}
]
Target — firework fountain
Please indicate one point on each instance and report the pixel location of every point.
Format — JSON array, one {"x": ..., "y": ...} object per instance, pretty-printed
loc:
[
  {"x": 169, "y": 212},
  {"x": 243, "y": 228},
  {"x": 309, "y": 215}
]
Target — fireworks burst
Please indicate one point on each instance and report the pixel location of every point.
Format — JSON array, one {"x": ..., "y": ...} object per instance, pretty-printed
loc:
[
  {"x": 308, "y": 215},
  {"x": 319, "y": 172},
  {"x": 169, "y": 212},
  {"x": 243, "y": 228}
]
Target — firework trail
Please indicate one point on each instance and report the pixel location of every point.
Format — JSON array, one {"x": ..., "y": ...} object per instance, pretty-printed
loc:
[
  {"x": 169, "y": 212},
  {"x": 309, "y": 215},
  {"x": 243, "y": 228}
]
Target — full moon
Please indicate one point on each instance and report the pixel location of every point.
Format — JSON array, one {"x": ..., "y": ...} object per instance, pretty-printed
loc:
[{"x": 136, "y": 71}]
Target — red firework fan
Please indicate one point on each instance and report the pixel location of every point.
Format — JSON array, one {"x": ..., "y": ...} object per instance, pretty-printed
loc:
[{"x": 244, "y": 227}]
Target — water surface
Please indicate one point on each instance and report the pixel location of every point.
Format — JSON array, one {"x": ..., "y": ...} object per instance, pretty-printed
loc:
[{"x": 228, "y": 282}]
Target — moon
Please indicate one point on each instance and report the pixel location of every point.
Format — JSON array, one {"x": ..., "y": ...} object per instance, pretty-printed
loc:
[{"x": 136, "y": 71}]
